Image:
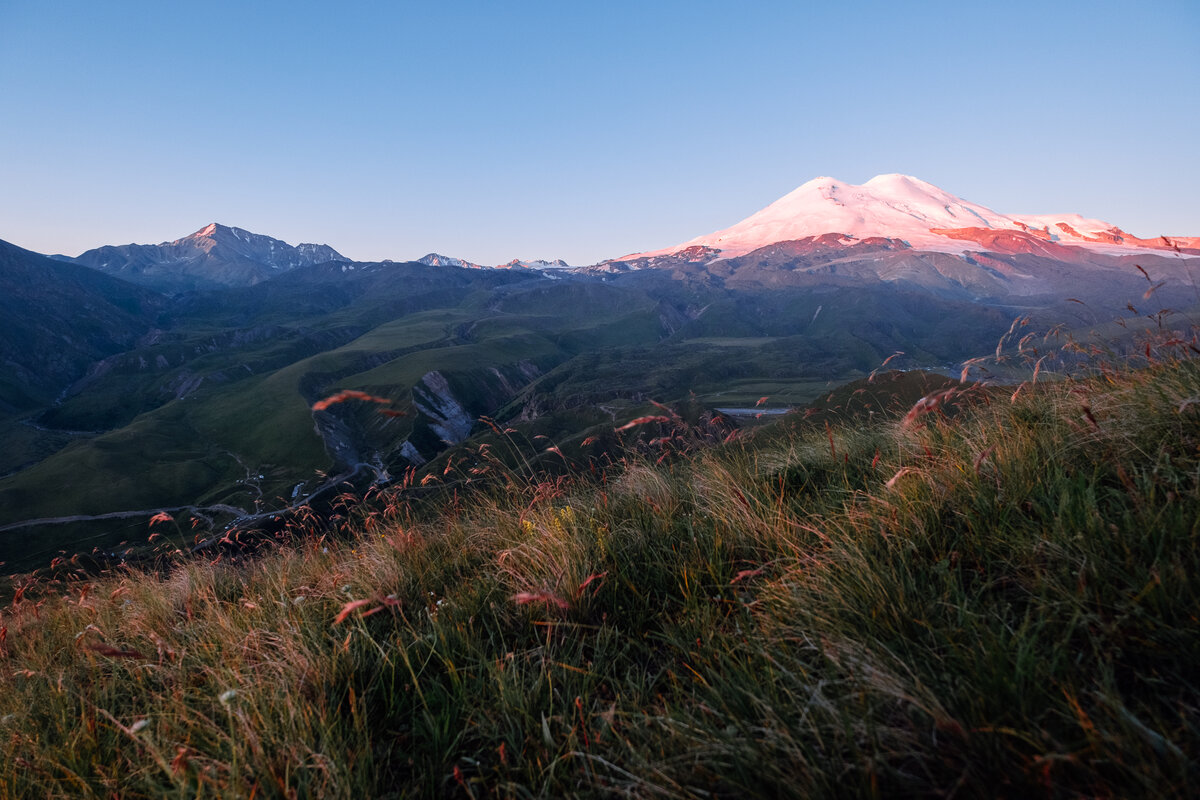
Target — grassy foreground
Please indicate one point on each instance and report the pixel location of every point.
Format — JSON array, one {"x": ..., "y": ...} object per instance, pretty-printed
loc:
[{"x": 1000, "y": 604}]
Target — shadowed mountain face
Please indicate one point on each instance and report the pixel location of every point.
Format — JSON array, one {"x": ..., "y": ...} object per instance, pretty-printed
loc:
[
  {"x": 57, "y": 320},
  {"x": 1018, "y": 268},
  {"x": 213, "y": 257}
]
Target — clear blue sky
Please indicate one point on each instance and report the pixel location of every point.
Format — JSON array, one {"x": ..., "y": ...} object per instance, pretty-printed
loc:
[{"x": 494, "y": 130}]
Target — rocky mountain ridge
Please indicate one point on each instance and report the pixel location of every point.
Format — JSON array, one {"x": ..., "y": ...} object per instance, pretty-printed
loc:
[{"x": 214, "y": 256}]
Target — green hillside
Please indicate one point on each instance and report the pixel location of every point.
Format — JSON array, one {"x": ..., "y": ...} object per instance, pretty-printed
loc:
[
  {"x": 999, "y": 601},
  {"x": 212, "y": 410}
]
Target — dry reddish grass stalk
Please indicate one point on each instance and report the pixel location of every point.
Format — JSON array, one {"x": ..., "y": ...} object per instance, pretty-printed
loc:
[
  {"x": 899, "y": 474},
  {"x": 746, "y": 573},
  {"x": 349, "y": 609},
  {"x": 642, "y": 421},
  {"x": 984, "y": 456},
  {"x": 348, "y": 394},
  {"x": 596, "y": 576},
  {"x": 549, "y": 598},
  {"x": 113, "y": 652},
  {"x": 929, "y": 402}
]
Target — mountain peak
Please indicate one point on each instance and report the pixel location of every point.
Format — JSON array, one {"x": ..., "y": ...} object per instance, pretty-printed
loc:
[
  {"x": 439, "y": 260},
  {"x": 215, "y": 255},
  {"x": 889, "y": 205},
  {"x": 229, "y": 233},
  {"x": 214, "y": 229},
  {"x": 891, "y": 179}
]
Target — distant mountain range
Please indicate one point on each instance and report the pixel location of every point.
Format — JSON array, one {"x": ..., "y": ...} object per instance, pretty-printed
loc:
[
  {"x": 221, "y": 256},
  {"x": 892, "y": 229},
  {"x": 438, "y": 260}
]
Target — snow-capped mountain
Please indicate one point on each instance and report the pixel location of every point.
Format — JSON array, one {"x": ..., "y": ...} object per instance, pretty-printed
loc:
[
  {"x": 908, "y": 209},
  {"x": 899, "y": 229},
  {"x": 439, "y": 260},
  {"x": 216, "y": 255}
]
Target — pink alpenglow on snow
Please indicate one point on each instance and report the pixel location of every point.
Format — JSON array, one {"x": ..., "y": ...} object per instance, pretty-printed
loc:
[{"x": 919, "y": 213}]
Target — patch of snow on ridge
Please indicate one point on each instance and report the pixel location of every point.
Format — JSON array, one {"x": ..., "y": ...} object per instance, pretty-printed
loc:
[
  {"x": 537, "y": 263},
  {"x": 439, "y": 260}
]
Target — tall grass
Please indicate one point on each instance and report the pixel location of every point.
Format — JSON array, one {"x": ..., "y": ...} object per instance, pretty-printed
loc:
[{"x": 1002, "y": 603}]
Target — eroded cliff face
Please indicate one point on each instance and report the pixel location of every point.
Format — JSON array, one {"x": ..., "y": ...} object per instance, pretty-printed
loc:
[
  {"x": 446, "y": 415},
  {"x": 342, "y": 443},
  {"x": 448, "y": 406},
  {"x": 444, "y": 410}
]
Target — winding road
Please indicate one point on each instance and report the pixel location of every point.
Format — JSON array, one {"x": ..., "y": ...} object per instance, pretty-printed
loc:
[{"x": 241, "y": 515}]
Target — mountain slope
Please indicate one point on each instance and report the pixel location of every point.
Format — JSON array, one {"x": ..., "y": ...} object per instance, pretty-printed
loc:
[
  {"x": 900, "y": 230},
  {"x": 57, "y": 319},
  {"x": 212, "y": 257}
]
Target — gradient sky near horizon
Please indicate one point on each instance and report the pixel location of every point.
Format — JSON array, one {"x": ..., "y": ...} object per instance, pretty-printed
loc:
[{"x": 583, "y": 131}]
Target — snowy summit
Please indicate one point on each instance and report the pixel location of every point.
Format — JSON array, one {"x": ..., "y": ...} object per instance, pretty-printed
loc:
[{"x": 900, "y": 207}]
